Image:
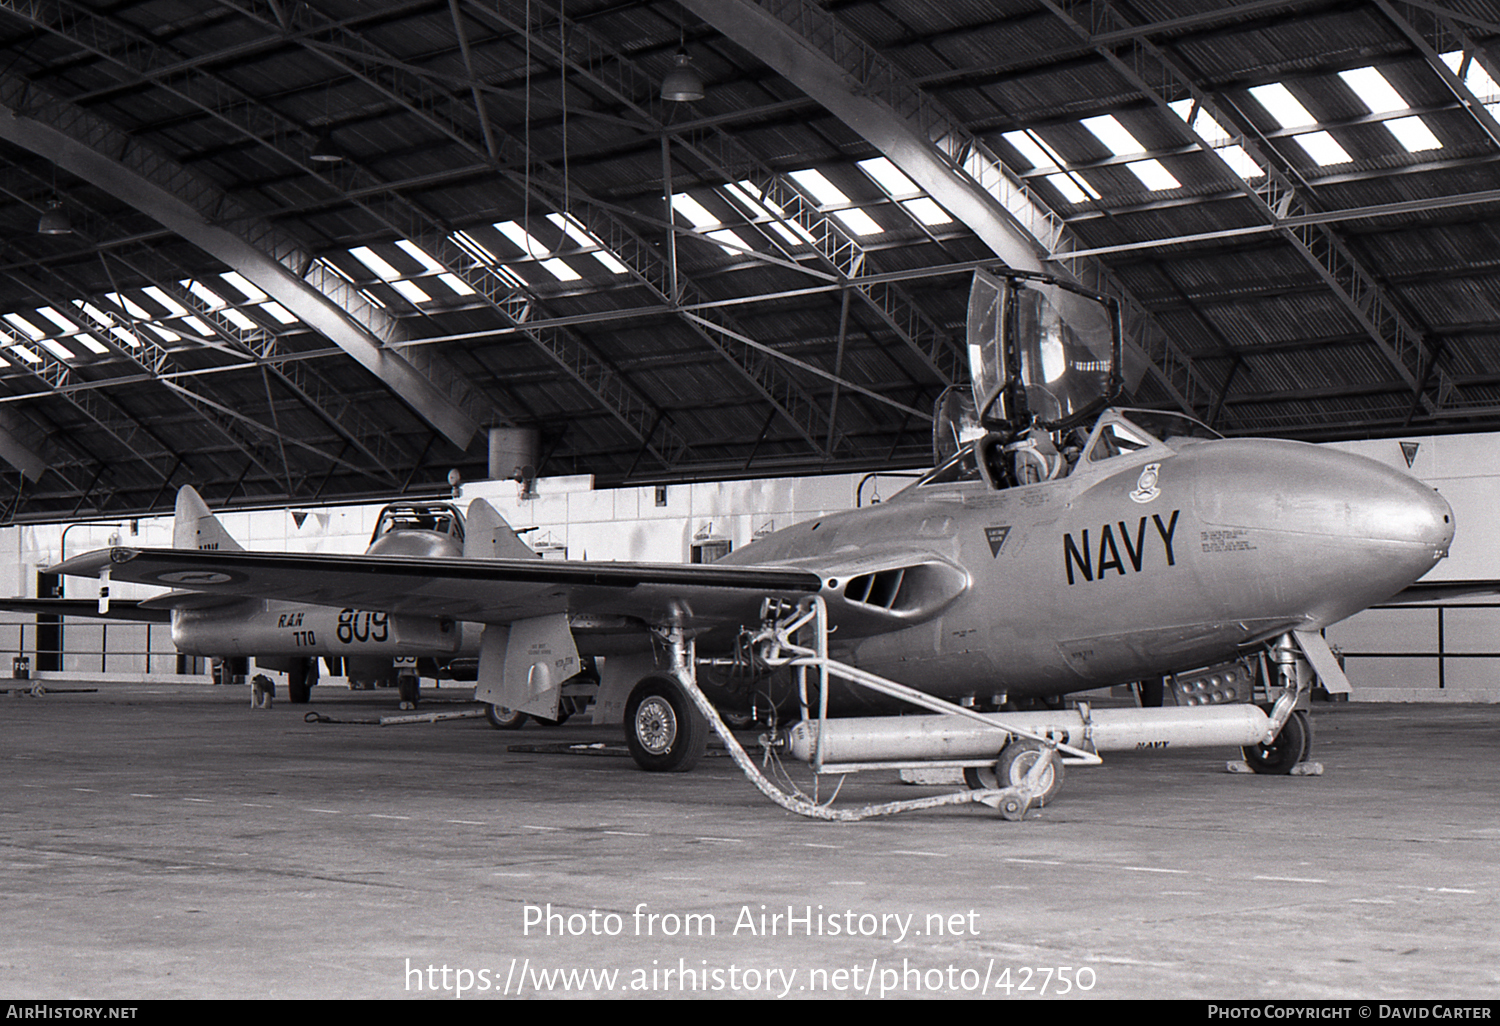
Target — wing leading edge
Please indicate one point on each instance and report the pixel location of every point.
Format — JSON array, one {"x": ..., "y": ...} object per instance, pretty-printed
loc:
[{"x": 480, "y": 590}]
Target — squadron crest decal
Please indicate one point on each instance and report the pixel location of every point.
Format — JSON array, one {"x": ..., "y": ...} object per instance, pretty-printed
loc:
[
  {"x": 996, "y": 537},
  {"x": 1145, "y": 488}
]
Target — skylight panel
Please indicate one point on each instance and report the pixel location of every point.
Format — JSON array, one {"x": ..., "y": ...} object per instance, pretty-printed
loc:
[
  {"x": 1115, "y": 136},
  {"x": 1288, "y": 112},
  {"x": 1283, "y": 106},
  {"x": 129, "y": 305},
  {"x": 1476, "y": 78},
  {"x": 927, "y": 211},
  {"x": 238, "y": 319},
  {"x": 71, "y": 328},
  {"x": 278, "y": 312},
  {"x": 888, "y": 176},
  {"x": 1073, "y": 188},
  {"x": 411, "y": 291},
  {"x": 23, "y": 352},
  {"x": 382, "y": 269},
  {"x": 171, "y": 305},
  {"x": 95, "y": 314},
  {"x": 829, "y": 195},
  {"x": 1323, "y": 148},
  {"x": 1381, "y": 97},
  {"x": 57, "y": 318},
  {"x": 1211, "y": 132},
  {"x": 1154, "y": 175},
  {"x": 57, "y": 349},
  {"x": 25, "y": 327},
  {"x": 531, "y": 246},
  {"x": 581, "y": 235},
  {"x": 245, "y": 286},
  {"x": 377, "y": 264},
  {"x": 758, "y": 206},
  {"x": 212, "y": 299},
  {"x": 1371, "y": 87},
  {"x": 1413, "y": 134},
  {"x": 1030, "y": 147},
  {"x": 475, "y": 249},
  {"x": 431, "y": 266},
  {"x": 1118, "y": 140},
  {"x": 698, "y": 216}
]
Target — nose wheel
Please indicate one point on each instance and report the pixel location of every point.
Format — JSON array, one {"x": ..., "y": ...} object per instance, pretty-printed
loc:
[{"x": 1291, "y": 747}]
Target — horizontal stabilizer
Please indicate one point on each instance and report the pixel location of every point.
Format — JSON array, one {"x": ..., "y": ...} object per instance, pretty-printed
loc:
[{"x": 137, "y": 612}]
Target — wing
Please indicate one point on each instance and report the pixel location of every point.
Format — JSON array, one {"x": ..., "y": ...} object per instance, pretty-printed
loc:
[
  {"x": 1436, "y": 591},
  {"x": 481, "y": 590}
]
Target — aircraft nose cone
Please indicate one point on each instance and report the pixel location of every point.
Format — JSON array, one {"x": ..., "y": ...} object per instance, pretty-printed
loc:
[{"x": 1350, "y": 530}]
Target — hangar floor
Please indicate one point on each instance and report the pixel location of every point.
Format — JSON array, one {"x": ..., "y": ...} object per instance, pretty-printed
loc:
[{"x": 168, "y": 842}]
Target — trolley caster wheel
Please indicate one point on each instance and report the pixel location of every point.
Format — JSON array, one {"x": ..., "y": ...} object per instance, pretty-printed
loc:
[{"x": 1012, "y": 808}]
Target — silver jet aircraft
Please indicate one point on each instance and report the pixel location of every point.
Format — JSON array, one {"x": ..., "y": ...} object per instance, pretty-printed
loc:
[{"x": 1061, "y": 544}]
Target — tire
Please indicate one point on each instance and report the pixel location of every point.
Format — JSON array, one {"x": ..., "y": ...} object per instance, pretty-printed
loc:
[
  {"x": 502, "y": 718},
  {"x": 300, "y": 679},
  {"x": 562, "y": 717},
  {"x": 663, "y": 729},
  {"x": 1292, "y": 745},
  {"x": 408, "y": 690},
  {"x": 1016, "y": 760}
]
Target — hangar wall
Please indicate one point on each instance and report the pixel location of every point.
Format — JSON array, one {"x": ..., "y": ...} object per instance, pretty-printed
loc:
[{"x": 1448, "y": 651}]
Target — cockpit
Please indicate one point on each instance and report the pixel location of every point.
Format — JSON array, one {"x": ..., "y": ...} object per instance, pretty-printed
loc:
[
  {"x": 438, "y": 517},
  {"x": 1041, "y": 456},
  {"x": 1045, "y": 362}
]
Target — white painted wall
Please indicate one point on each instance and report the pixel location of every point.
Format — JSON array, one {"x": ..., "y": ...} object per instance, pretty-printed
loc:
[{"x": 1449, "y": 651}]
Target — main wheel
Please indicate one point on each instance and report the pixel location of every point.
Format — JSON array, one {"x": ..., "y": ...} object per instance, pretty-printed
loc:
[
  {"x": 300, "y": 679},
  {"x": 502, "y": 718},
  {"x": 1292, "y": 745},
  {"x": 663, "y": 729},
  {"x": 1016, "y": 760}
]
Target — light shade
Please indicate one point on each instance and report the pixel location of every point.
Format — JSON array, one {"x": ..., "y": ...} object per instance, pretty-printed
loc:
[
  {"x": 683, "y": 82},
  {"x": 325, "y": 150},
  {"x": 54, "y": 220}
]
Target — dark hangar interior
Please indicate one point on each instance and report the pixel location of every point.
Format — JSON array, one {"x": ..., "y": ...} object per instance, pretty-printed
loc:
[{"x": 304, "y": 250}]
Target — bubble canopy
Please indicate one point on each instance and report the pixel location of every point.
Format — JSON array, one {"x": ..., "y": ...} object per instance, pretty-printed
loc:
[{"x": 1041, "y": 352}]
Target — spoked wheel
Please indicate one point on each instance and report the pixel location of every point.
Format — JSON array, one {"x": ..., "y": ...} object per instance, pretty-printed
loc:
[
  {"x": 1016, "y": 760},
  {"x": 502, "y": 718},
  {"x": 1292, "y": 745},
  {"x": 663, "y": 729}
]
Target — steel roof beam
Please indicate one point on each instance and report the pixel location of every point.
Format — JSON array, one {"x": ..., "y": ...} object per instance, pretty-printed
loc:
[
  {"x": 1146, "y": 67},
  {"x": 621, "y": 78},
  {"x": 808, "y": 46},
  {"x": 195, "y": 209},
  {"x": 408, "y": 87}
]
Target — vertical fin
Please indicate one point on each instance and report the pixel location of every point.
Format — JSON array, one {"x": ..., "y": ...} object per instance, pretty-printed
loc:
[
  {"x": 195, "y": 527},
  {"x": 488, "y": 536}
]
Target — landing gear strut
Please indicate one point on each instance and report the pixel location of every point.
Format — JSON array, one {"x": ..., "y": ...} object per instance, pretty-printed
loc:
[{"x": 1288, "y": 739}]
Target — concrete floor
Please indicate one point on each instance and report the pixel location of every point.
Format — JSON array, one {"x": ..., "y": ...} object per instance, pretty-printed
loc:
[{"x": 164, "y": 842}]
